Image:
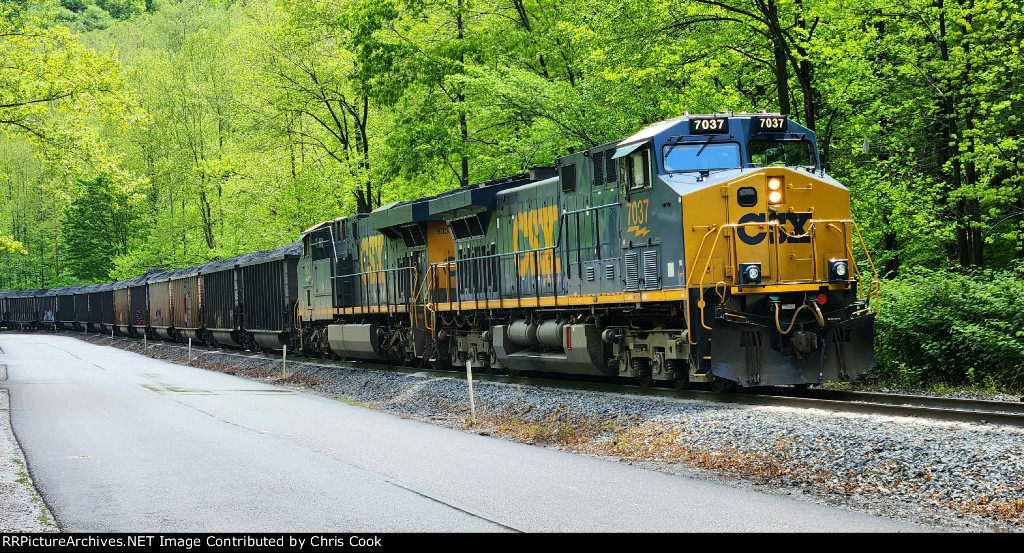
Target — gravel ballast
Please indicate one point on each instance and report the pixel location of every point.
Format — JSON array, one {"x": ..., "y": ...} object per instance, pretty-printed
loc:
[{"x": 953, "y": 476}]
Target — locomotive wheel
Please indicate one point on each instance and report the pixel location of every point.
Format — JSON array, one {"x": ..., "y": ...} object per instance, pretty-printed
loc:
[
  {"x": 681, "y": 384},
  {"x": 644, "y": 381},
  {"x": 720, "y": 385}
]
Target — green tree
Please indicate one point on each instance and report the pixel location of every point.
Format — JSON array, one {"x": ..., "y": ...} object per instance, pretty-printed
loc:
[
  {"x": 55, "y": 92},
  {"x": 324, "y": 95},
  {"x": 96, "y": 228},
  {"x": 940, "y": 112}
]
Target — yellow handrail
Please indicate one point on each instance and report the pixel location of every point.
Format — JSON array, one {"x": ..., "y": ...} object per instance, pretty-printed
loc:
[
  {"x": 876, "y": 285},
  {"x": 840, "y": 225}
]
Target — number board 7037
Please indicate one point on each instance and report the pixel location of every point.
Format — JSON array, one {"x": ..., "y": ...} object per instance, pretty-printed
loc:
[
  {"x": 771, "y": 124},
  {"x": 709, "y": 125}
]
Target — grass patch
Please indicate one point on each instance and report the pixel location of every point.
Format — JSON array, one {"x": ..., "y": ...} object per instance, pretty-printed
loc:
[
  {"x": 558, "y": 428},
  {"x": 655, "y": 442},
  {"x": 355, "y": 402},
  {"x": 43, "y": 517}
]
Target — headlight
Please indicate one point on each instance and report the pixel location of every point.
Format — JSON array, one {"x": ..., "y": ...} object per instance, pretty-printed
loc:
[
  {"x": 838, "y": 269},
  {"x": 750, "y": 274},
  {"x": 775, "y": 190}
]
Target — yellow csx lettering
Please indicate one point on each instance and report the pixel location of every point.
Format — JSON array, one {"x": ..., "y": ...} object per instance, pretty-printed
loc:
[
  {"x": 371, "y": 259},
  {"x": 537, "y": 229}
]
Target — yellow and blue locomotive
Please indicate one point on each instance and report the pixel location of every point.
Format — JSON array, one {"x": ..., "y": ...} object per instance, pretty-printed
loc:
[{"x": 706, "y": 248}]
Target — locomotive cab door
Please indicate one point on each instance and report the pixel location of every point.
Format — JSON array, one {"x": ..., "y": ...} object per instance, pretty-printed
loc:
[
  {"x": 640, "y": 245},
  {"x": 322, "y": 249}
]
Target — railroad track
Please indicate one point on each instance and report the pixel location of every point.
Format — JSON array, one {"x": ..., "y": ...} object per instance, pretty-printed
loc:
[
  {"x": 903, "y": 405},
  {"x": 942, "y": 408}
]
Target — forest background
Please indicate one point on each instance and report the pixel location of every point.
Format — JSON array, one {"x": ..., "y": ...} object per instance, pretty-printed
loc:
[{"x": 166, "y": 133}]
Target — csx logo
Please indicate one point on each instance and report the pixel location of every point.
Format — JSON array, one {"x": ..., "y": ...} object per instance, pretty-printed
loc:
[
  {"x": 796, "y": 234},
  {"x": 372, "y": 259},
  {"x": 537, "y": 229}
]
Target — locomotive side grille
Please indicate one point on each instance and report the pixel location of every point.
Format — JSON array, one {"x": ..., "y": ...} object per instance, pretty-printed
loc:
[
  {"x": 591, "y": 274},
  {"x": 609, "y": 272},
  {"x": 599, "y": 169},
  {"x": 611, "y": 169},
  {"x": 651, "y": 280},
  {"x": 632, "y": 271}
]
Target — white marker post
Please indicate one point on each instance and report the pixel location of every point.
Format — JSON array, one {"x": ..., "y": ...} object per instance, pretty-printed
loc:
[
  {"x": 469, "y": 378},
  {"x": 190, "y": 351},
  {"x": 284, "y": 361}
]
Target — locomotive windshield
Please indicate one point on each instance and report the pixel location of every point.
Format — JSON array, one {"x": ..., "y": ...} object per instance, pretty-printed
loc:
[
  {"x": 790, "y": 153},
  {"x": 699, "y": 156}
]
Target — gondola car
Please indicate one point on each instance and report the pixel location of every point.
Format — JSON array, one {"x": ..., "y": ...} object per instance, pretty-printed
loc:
[
  {"x": 22, "y": 310},
  {"x": 186, "y": 295},
  {"x": 65, "y": 316},
  {"x": 46, "y": 308},
  {"x": 268, "y": 291}
]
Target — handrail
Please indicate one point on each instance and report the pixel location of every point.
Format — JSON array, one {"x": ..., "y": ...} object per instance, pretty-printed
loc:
[
  {"x": 557, "y": 277},
  {"x": 876, "y": 285},
  {"x": 419, "y": 288},
  {"x": 387, "y": 285},
  {"x": 839, "y": 225}
]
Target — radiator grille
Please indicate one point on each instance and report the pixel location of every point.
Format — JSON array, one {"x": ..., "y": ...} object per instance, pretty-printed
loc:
[
  {"x": 632, "y": 271},
  {"x": 651, "y": 279}
]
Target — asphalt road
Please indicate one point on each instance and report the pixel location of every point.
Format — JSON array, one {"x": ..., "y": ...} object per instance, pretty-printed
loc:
[{"x": 118, "y": 442}]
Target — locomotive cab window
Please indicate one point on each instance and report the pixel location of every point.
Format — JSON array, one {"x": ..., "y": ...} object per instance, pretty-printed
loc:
[
  {"x": 785, "y": 153},
  {"x": 702, "y": 156},
  {"x": 638, "y": 169},
  {"x": 321, "y": 243}
]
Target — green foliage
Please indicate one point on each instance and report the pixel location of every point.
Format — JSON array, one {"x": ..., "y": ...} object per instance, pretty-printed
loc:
[
  {"x": 51, "y": 85},
  {"x": 92, "y": 15},
  {"x": 96, "y": 227},
  {"x": 941, "y": 327},
  {"x": 10, "y": 245},
  {"x": 123, "y": 9}
]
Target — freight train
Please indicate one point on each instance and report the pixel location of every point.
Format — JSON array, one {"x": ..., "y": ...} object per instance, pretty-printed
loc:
[{"x": 703, "y": 249}]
